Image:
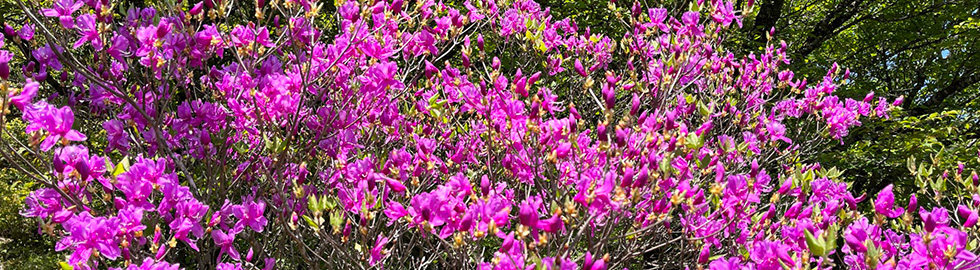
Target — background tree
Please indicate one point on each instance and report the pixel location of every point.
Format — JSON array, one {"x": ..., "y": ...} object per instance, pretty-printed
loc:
[{"x": 925, "y": 51}]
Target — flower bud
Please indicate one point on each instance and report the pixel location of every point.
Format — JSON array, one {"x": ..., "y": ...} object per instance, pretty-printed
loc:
[
  {"x": 197, "y": 9},
  {"x": 430, "y": 69},
  {"x": 628, "y": 174},
  {"x": 705, "y": 252},
  {"x": 635, "y": 104},
  {"x": 968, "y": 215},
  {"x": 898, "y": 101},
  {"x": 59, "y": 165},
  {"x": 611, "y": 78},
  {"x": 588, "y": 261},
  {"x": 601, "y": 132},
  {"x": 533, "y": 78},
  {"x": 396, "y": 6},
  {"x": 869, "y": 97},
  {"x": 562, "y": 150},
  {"x": 535, "y": 107},
  {"x": 162, "y": 251},
  {"x": 520, "y": 86},
  {"x": 83, "y": 169},
  {"x": 609, "y": 95},
  {"x": 913, "y": 204},
  {"x": 5, "y": 58},
  {"x": 574, "y": 112},
  {"x": 205, "y": 138},
  {"x": 929, "y": 222},
  {"x": 579, "y": 68},
  {"x": 483, "y": 87},
  {"x": 9, "y": 30},
  {"x": 485, "y": 185},
  {"x": 621, "y": 135},
  {"x": 641, "y": 178}
]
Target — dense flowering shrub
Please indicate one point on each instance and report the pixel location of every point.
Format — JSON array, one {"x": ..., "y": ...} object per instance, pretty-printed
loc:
[{"x": 485, "y": 134}]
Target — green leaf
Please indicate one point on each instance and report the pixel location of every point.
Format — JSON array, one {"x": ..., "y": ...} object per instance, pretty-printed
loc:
[
  {"x": 693, "y": 6},
  {"x": 268, "y": 142},
  {"x": 833, "y": 173},
  {"x": 331, "y": 203},
  {"x": 310, "y": 222},
  {"x": 240, "y": 147},
  {"x": 65, "y": 266},
  {"x": 808, "y": 176},
  {"x": 432, "y": 100},
  {"x": 122, "y": 167},
  {"x": 703, "y": 109},
  {"x": 280, "y": 145},
  {"x": 273, "y": 145},
  {"x": 323, "y": 203},
  {"x": 817, "y": 245},
  {"x": 539, "y": 265},
  {"x": 703, "y": 161},
  {"x": 832, "y": 236},
  {"x": 693, "y": 141},
  {"x": 783, "y": 264},
  {"x": 539, "y": 44},
  {"x": 336, "y": 219},
  {"x": 665, "y": 163},
  {"x": 939, "y": 185},
  {"x": 313, "y": 205}
]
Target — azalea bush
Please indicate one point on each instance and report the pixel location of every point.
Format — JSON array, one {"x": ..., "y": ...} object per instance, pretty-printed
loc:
[{"x": 484, "y": 134}]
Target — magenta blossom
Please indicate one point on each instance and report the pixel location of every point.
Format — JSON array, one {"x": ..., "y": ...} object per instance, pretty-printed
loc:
[
  {"x": 89, "y": 30},
  {"x": 5, "y": 58},
  {"x": 63, "y": 10},
  {"x": 885, "y": 204},
  {"x": 377, "y": 252},
  {"x": 56, "y": 121},
  {"x": 969, "y": 216},
  {"x": 150, "y": 264},
  {"x": 227, "y": 244},
  {"x": 250, "y": 214},
  {"x": 25, "y": 96}
]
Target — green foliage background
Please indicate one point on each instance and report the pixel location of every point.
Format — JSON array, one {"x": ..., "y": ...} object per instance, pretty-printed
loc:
[
  {"x": 925, "y": 51},
  {"x": 20, "y": 245}
]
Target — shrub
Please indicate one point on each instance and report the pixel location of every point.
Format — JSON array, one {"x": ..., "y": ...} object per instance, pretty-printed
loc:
[{"x": 430, "y": 134}]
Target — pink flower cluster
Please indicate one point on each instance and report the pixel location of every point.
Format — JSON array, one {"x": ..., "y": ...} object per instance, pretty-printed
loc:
[{"x": 484, "y": 134}]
